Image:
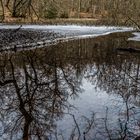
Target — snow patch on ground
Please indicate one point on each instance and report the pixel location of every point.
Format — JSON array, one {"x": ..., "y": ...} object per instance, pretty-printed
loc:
[{"x": 136, "y": 37}]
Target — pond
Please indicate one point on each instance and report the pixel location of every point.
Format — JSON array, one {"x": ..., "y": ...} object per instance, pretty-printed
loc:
[{"x": 83, "y": 89}]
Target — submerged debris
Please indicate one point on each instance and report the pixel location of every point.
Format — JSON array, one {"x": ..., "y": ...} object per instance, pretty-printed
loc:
[{"x": 130, "y": 50}]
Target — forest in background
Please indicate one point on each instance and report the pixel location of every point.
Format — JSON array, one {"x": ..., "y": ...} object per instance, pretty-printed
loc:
[{"x": 113, "y": 11}]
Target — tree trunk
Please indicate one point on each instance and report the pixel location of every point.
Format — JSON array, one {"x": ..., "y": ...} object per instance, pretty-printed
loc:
[
  {"x": 2, "y": 6},
  {"x": 79, "y": 8},
  {"x": 26, "y": 129}
]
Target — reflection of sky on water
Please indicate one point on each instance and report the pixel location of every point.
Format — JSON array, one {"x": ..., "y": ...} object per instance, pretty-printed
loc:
[{"x": 91, "y": 100}]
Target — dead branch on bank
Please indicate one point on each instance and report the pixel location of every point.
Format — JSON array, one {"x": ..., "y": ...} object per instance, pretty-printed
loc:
[{"x": 134, "y": 22}]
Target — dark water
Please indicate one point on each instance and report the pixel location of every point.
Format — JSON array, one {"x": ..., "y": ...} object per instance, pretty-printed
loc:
[{"x": 84, "y": 89}]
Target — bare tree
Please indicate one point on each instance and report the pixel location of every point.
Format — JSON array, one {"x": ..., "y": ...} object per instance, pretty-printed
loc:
[{"x": 2, "y": 7}]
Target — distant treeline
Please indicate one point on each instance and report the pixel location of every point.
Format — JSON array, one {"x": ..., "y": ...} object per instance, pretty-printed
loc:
[{"x": 108, "y": 9}]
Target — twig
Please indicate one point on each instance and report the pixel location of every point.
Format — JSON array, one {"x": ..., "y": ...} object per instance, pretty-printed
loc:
[
  {"x": 130, "y": 19},
  {"x": 106, "y": 127},
  {"x": 16, "y": 30},
  {"x": 77, "y": 126}
]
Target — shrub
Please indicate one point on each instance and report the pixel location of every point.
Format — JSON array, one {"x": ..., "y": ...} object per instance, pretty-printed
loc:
[
  {"x": 64, "y": 15},
  {"x": 51, "y": 12}
]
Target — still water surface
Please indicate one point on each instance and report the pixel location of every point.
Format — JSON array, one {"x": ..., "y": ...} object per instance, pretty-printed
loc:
[{"x": 85, "y": 89}]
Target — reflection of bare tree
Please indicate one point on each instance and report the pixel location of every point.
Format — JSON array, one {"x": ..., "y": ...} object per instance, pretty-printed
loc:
[
  {"x": 115, "y": 73},
  {"x": 35, "y": 87},
  {"x": 36, "y": 96},
  {"x": 112, "y": 72}
]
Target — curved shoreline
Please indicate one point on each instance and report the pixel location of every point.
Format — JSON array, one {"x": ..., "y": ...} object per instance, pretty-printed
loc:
[{"x": 36, "y": 36}]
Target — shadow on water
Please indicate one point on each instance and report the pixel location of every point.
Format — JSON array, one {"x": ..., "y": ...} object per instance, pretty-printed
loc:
[{"x": 37, "y": 86}]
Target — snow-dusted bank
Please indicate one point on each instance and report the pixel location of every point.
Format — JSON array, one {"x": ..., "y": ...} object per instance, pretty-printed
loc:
[
  {"x": 73, "y": 30},
  {"x": 66, "y": 33}
]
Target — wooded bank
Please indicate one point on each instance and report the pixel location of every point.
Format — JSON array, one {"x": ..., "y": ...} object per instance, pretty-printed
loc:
[{"x": 115, "y": 11}]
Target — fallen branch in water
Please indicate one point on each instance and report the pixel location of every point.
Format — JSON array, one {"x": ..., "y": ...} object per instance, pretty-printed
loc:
[
  {"x": 17, "y": 29},
  {"x": 130, "y": 50}
]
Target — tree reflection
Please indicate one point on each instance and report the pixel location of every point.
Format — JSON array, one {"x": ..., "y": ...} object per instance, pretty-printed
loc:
[
  {"x": 33, "y": 95},
  {"x": 118, "y": 73},
  {"x": 35, "y": 87}
]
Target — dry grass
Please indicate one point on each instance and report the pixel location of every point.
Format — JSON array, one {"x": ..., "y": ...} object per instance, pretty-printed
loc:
[{"x": 83, "y": 21}]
